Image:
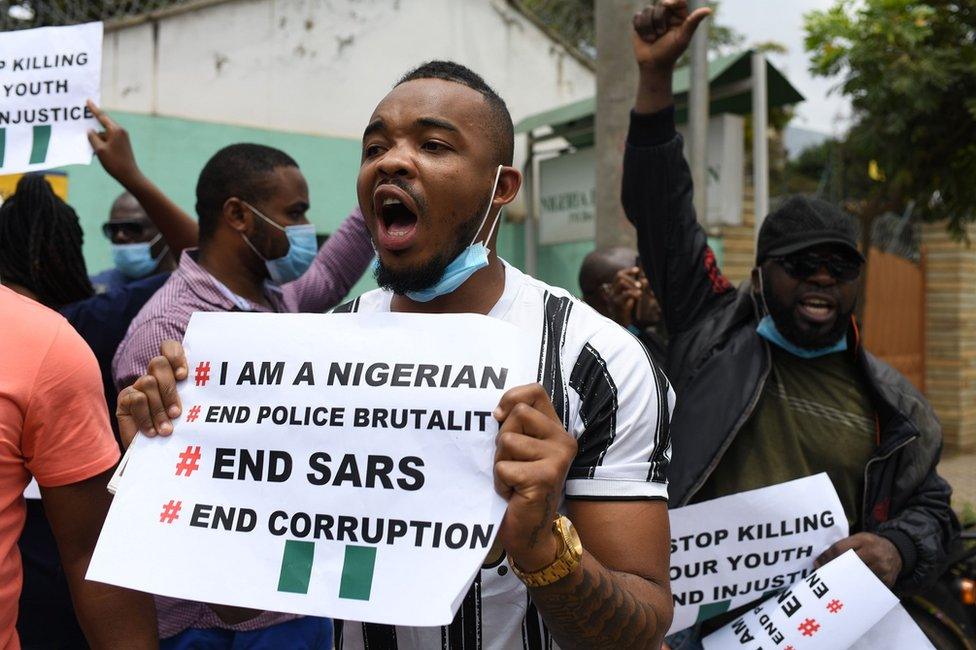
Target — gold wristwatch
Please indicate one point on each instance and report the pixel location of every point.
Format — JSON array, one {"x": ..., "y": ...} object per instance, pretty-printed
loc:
[{"x": 565, "y": 563}]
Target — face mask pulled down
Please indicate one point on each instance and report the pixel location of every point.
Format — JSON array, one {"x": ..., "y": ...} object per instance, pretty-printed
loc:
[
  {"x": 473, "y": 258},
  {"x": 768, "y": 330}
]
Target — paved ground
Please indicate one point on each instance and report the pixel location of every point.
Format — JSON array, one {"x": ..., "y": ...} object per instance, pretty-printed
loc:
[{"x": 960, "y": 471}]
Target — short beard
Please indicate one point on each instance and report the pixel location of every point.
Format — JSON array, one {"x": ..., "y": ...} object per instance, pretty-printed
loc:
[
  {"x": 427, "y": 274},
  {"x": 783, "y": 317}
]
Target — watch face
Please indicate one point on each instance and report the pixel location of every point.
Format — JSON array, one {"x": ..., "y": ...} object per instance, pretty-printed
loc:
[{"x": 572, "y": 537}]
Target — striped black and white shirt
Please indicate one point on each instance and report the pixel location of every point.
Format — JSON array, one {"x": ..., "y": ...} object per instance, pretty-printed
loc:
[{"x": 617, "y": 404}]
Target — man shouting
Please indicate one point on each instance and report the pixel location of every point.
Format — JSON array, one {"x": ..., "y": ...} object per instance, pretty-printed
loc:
[{"x": 581, "y": 456}]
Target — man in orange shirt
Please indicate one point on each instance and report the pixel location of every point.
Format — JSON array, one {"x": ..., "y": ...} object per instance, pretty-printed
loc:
[{"x": 54, "y": 426}]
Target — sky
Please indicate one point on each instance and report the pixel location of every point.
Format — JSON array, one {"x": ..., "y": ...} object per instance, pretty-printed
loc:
[{"x": 782, "y": 21}]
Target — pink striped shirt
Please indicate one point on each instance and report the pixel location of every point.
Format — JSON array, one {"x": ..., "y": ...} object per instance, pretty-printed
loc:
[{"x": 339, "y": 264}]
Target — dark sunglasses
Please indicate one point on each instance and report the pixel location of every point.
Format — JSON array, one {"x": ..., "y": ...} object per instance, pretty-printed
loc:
[
  {"x": 133, "y": 229},
  {"x": 801, "y": 267}
]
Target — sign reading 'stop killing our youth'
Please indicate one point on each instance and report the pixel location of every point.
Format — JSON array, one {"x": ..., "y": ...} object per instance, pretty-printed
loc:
[
  {"x": 46, "y": 76},
  {"x": 730, "y": 551},
  {"x": 335, "y": 465}
]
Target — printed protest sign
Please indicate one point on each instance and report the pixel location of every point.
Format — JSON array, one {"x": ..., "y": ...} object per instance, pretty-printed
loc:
[
  {"x": 334, "y": 465},
  {"x": 46, "y": 75},
  {"x": 730, "y": 551},
  {"x": 829, "y": 610}
]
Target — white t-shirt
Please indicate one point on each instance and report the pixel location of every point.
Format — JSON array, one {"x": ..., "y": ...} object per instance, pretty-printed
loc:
[{"x": 617, "y": 404}]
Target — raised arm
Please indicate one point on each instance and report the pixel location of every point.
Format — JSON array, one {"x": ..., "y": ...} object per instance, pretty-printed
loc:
[
  {"x": 114, "y": 151},
  {"x": 657, "y": 187},
  {"x": 340, "y": 263},
  {"x": 610, "y": 465}
]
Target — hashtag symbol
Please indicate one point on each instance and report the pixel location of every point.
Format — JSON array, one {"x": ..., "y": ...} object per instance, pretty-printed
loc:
[
  {"x": 203, "y": 373},
  {"x": 193, "y": 414},
  {"x": 809, "y": 627},
  {"x": 188, "y": 461},
  {"x": 171, "y": 512},
  {"x": 835, "y": 606}
]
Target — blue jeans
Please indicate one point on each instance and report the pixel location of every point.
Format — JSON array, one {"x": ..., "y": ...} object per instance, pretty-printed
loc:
[{"x": 308, "y": 633}]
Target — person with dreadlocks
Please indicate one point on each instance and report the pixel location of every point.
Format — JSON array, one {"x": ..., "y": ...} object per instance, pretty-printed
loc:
[
  {"x": 54, "y": 426},
  {"x": 40, "y": 246},
  {"x": 41, "y": 259}
]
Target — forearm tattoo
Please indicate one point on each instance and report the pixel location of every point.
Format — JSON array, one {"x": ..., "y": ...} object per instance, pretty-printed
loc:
[{"x": 599, "y": 608}]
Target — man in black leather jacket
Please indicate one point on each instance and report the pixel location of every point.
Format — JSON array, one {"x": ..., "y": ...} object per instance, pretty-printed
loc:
[{"x": 772, "y": 380}]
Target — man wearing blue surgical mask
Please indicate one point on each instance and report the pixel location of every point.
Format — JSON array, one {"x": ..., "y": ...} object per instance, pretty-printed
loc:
[
  {"x": 257, "y": 252},
  {"x": 138, "y": 248}
]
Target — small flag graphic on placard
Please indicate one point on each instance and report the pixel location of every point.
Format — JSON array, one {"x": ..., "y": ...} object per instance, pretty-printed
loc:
[
  {"x": 356, "y": 582},
  {"x": 39, "y": 144}
]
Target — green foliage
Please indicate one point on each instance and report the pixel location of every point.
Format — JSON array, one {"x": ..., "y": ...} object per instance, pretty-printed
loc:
[
  {"x": 574, "y": 20},
  {"x": 909, "y": 68},
  {"x": 967, "y": 515}
]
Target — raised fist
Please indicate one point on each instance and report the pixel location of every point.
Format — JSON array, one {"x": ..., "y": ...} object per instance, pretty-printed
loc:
[{"x": 663, "y": 31}]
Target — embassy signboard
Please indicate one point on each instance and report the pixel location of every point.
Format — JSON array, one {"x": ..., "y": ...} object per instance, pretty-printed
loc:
[
  {"x": 326, "y": 471},
  {"x": 567, "y": 197}
]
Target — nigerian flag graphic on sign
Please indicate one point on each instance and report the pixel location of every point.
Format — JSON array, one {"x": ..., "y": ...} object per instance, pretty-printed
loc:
[
  {"x": 357, "y": 569},
  {"x": 40, "y": 140}
]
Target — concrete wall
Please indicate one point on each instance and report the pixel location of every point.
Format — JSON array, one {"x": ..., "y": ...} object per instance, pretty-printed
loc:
[{"x": 320, "y": 66}]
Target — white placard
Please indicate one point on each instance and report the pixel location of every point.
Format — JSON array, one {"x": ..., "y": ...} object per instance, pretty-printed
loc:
[
  {"x": 374, "y": 441},
  {"x": 567, "y": 197},
  {"x": 896, "y": 631},
  {"x": 733, "y": 550},
  {"x": 46, "y": 75},
  {"x": 829, "y": 610}
]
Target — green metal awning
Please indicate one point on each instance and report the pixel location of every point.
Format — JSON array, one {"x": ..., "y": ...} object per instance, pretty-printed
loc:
[{"x": 729, "y": 81}]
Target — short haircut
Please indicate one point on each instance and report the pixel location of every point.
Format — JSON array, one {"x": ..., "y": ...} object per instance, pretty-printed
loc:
[
  {"x": 238, "y": 170},
  {"x": 601, "y": 266},
  {"x": 500, "y": 125}
]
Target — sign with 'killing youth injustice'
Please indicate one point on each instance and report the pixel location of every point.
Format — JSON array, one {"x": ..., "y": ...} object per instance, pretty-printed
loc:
[
  {"x": 730, "y": 551},
  {"x": 334, "y": 465},
  {"x": 46, "y": 75},
  {"x": 830, "y": 609}
]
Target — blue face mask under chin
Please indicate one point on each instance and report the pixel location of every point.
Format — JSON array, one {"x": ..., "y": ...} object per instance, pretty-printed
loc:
[
  {"x": 768, "y": 330},
  {"x": 471, "y": 259},
  {"x": 302, "y": 248},
  {"x": 135, "y": 260}
]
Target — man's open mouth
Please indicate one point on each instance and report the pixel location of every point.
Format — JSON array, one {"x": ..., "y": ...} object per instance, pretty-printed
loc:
[
  {"x": 396, "y": 217},
  {"x": 818, "y": 309}
]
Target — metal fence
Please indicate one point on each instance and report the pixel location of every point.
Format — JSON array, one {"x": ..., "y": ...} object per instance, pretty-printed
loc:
[{"x": 24, "y": 14}]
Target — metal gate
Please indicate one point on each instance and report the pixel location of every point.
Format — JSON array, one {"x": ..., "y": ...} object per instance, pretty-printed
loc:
[{"x": 894, "y": 313}]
